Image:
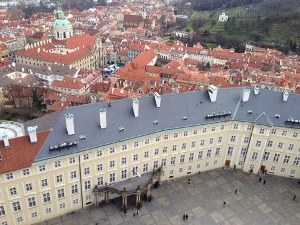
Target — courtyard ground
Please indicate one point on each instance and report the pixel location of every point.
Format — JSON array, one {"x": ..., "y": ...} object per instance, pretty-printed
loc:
[{"x": 203, "y": 201}]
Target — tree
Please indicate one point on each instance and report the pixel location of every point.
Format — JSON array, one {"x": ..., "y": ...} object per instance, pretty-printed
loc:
[{"x": 35, "y": 99}]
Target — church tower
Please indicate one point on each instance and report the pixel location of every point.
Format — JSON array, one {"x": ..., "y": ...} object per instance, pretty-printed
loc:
[{"x": 63, "y": 29}]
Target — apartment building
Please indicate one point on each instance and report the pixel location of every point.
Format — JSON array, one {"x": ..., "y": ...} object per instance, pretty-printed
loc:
[{"x": 67, "y": 165}]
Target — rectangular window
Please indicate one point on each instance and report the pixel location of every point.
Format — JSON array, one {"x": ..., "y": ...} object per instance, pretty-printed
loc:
[
  {"x": 195, "y": 132},
  {"x": 20, "y": 219},
  {"x": 193, "y": 144},
  {"x": 165, "y": 149},
  {"x": 112, "y": 150},
  {"x": 100, "y": 181},
  {"x": 208, "y": 155},
  {"x": 272, "y": 169},
  {"x": 34, "y": 214},
  {"x": 191, "y": 158},
  {"x": 211, "y": 141},
  {"x": 135, "y": 171},
  {"x": 261, "y": 131},
  {"x": 296, "y": 161},
  {"x": 57, "y": 164},
  {"x": 147, "y": 141},
  {"x": 86, "y": 170},
  {"x": 185, "y": 133},
  {"x": 217, "y": 151},
  {"x": 295, "y": 135},
  {"x": 291, "y": 146},
  {"x": 230, "y": 150},
  {"x": 270, "y": 144},
  {"x": 124, "y": 174},
  {"x": 26, "y": 172},
  {"x": 44, "y": 183},
  {"x": 13, "y": 191},
  {"x": 87, "y": 185},
  {"x": 213, "y": 129},
  {"x": 42, "y": 168},
  {"x": 222, "y": 127},
  {"x": 282, "y": 170},
  {"x": 166, "y": 137},
  {"x": 258, "y": 144},
  {"x": 220, "y": 139},
  {"x": 135, "y": 157},
  {"x": 48, "y": 210},
  {"x": 85, "y": 156},
  {"x": 232, "y": 139},
  {"x": 155, "y": 164},
  {"x": 243, "y": 151},
  {"x": 235, "y": 126},
  {"x": 124, "y": 160},
  {"x": 200, "y": 155},
  {"x": 254, "y": 156},
  {"x": 202, "y": 142},
  {"x": 156, "y": 151},
  {"x": 112, "y": 164},
  {"x": 204, "y": 130},
  {"x": 249, "y": 127},
  {"x": 17, "y": 206},
  {"x": 273, "y": 131},
  {"x": 246, "y": 140},
  {"x": 60, "y": 193},
  {"x": 286, "y": 159},
  {"x": 183, "y": 146},
  {"x": 266, "y": 155},
  {"x": 145, "y": 167},
  {"x": 112, "y": 177},
  {"x": 182, "y": 158},
  {"x": 175, "y": 135},
  {"x": 99, "y": 153},
  {"x": 59, "y": 178},
  {"x": 28, "y": 187},
  {"x": 174, "y": 147},
  {"x": 2, "y": 210},
  {"x": 173, "y": 158},
  {"x": 146, "y": 154},
  {"x": 157, "y": 139},
  {"x": 31, "y": 202},
  {"x": 280, "y": 145},
  {"x": 124, "y": 147},
  {"x": 9, "y": 176},
  {"x": 164, "y": 162},
  {"x": 73, "y": 174},
  {"x": 136, "y": 144},
  {"x": 99, "y": 167},
  {"x": 72, "y": 160},
  {"x": 276, "y": 157},
  {"x": 284, "y": 133},
  {"x": 46, "y": 197},
  {"x": 74, "y": 189}
]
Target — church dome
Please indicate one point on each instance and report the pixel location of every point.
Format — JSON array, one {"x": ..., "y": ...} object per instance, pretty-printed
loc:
[{"x": 62, "y": 23}]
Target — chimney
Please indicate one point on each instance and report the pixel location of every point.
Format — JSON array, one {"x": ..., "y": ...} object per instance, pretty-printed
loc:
[
  {"x": 256, "y": 90},
  {"x": 93, "y": 99},
  {"x": 157, "y": 99},
  {"x": 246, "y": 95},
  {"x": 213, "y": 92},
  {"x": 285, "y": 95},
  {"x": 32, "y": 134},
  {"x": 70, "y": 123},
  {"x": 135, "y": 106},
  {"x": 103, "y": 121},
  {"x": 5, "y": 139}
]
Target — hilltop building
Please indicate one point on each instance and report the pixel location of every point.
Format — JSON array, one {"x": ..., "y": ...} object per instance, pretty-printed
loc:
[
  {"x": 87, "y": 154},
  {"x": 223, "y": 17}
]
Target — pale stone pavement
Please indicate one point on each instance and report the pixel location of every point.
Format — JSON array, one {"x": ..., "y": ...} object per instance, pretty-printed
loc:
[{"x": 202, "y": 200}]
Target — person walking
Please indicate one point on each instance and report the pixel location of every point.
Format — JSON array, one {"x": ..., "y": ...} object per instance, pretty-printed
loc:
[
  {"x": 133, "y": 213},
  {"x": 186, "y": 217},
  {"x": 259, "y": 180},
  {"x": 234, "y": 166},
  {"x": 264, "y": 182},
  {"x": 294, "y": 198},
  {"x": 183, "y": 217},
  {"x": 224, "y": 204},
  {"x": 189, "y": 181},
  {"x": 137, "y": 212},
  {"x": 235, "y": 191}
]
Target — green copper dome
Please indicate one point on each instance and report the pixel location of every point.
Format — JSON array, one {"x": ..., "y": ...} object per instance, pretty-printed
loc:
[{"x": 62, "y": 23}]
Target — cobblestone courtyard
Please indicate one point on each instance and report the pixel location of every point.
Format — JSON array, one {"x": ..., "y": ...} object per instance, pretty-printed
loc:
[{"x": 254, "y": 203}]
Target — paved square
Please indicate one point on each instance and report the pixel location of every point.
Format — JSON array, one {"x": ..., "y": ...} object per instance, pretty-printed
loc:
[{"x": 202, "y": 200}]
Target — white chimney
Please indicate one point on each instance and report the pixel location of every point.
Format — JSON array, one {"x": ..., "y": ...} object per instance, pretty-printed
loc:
[
  {"x": 5, "y": 139},
  {"x": 157, "y": 99},
  {"x": 103, "y": 121},
  {"x": 135, "y": 106},
  {"x": 256, "y": 90},
  {"x": 213, "y": 92},
  {"x": 70, "y": 124},
  {"x": 32, "y": 134},
  {"x": 246, "y": 95},
  {"x": 285, "y": 96},
  {"x": 93, "y": 99}
]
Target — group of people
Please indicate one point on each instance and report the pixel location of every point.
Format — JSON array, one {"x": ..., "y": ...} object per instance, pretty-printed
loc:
[
  {"x": 185, "y": 217},
  {"x": 259, "y": 180}
]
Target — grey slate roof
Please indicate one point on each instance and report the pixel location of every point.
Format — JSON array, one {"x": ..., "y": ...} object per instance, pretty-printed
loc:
[{"x": 193, "y": 105}]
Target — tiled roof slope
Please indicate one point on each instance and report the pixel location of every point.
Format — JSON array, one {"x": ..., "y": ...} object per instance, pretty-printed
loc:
[
  {"x": 193, "y": 105},
  {"x": 21, "y": 152}
]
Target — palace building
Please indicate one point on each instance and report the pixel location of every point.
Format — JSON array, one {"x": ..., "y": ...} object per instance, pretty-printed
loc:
[
  {"x": 65, "y": 48},
  {"x": 91, "y": 153}
]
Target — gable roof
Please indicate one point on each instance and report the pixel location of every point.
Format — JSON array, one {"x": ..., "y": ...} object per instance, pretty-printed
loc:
[{"x": 21, "y": 152}]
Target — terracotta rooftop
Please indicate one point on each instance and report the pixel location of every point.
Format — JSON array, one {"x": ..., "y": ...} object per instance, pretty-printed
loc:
[{"x": 21, "y": 152}]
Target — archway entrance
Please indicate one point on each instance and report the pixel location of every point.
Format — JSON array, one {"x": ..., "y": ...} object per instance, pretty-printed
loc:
[{"x": 132, "y": 187}]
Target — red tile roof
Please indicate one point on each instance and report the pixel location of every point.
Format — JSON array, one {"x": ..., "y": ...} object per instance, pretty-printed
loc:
[
  {"x": 21, "y": 152},
  {"x": 68, "y": 82}
]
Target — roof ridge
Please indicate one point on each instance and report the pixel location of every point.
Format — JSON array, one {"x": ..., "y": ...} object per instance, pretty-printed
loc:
[{"x": 263, "y": 115}]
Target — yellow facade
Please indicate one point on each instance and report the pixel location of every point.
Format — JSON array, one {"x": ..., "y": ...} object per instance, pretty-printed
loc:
[{"x": 181, "y": 152}]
